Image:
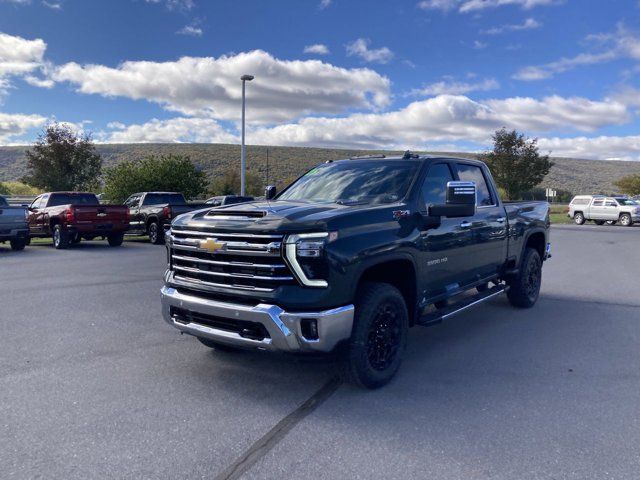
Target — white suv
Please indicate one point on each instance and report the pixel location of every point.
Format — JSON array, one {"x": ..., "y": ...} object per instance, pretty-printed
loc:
[{"x": 603, "y": 209}]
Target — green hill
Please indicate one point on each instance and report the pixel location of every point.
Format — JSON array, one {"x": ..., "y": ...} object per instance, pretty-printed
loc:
[{"x": 286, "y": 163}]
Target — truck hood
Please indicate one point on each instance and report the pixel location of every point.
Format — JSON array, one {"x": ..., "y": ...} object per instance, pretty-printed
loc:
[{"x": 282, "y": 216}]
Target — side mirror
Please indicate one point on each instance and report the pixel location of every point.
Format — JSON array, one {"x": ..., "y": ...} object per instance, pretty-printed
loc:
[
  {"x": 461, "y": 201},
  {"x": 270, "y": 192}
]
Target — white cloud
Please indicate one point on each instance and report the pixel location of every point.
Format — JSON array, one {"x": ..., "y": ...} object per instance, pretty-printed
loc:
[
  {"x": 620, "y": 44},
  {"x": 446, "y": 118},
  {"x": 52, "y": 5},
  {"x": 528, "y": 24},
  {"x": 466, "y": 6},
  {"x": 174, "y": 4},
  {"x": 190, "y": 30},
  {"x": 478, "y": 45},
  {"x": 451, "y": 87},
  {"x": 16, "y": 124},
  {"x": 39, "y": 82},
  {"x": 204, "y": 86},
  {"x": 174, "y": 130},
  {"x": 324, "y": 4},
  {"x": 317, "y": 49},
  {"x": 19, "y": 55},
  {"x": 360, "y": 48},
  {"x": 601, "y": 147},
  {"x": 444, "y": 5}
]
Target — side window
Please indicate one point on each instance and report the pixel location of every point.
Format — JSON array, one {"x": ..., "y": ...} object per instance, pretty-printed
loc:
[
  {"x": 132, "y": 202},
  {"x": 434, "y": 188},
  {"x": 473, "y": 173},
  {"x": 36, "y": 203},
  {"x": 598, "y": 202},
  {"x": 43, "y": 201},
  {"x": 611, "y": 203}
]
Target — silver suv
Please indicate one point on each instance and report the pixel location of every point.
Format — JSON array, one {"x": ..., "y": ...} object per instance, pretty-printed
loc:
[{"x": 603, "y": 209}]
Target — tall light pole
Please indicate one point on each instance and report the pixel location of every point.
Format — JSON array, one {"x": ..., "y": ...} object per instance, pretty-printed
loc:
[{"x": 243, "y": 153}]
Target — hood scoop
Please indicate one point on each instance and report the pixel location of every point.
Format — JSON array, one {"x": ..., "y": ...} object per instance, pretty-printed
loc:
[{"x": 235, "y": 214}]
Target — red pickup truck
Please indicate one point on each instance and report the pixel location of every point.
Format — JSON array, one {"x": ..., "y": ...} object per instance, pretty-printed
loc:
[{"x": 68, "y": 217}]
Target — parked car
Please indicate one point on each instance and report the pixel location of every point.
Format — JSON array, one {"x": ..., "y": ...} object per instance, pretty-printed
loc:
[
  {"x": 150, "y": 212},
  {"x": 351, "y": 255},
  {"x": 601, "y": 209},
  {"x": 14, "y": 225},
  {"x": 69, "y": 217},
  {"x": 227, "y": 200}
]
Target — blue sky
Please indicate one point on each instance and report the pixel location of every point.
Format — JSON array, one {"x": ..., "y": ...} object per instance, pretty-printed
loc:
[{"x": 424, "y": 74}]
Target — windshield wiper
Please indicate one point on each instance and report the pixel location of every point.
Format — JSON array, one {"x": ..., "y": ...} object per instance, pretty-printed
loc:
[{"x": 351, "y": 202}]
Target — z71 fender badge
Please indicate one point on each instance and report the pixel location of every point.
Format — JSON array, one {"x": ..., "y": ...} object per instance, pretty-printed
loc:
[{"x": 398, "y": 214}]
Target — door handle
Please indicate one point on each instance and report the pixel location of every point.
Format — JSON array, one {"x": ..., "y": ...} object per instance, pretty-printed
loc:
[
  {"x": 500, "y": 219},
  {"x": 465, "y": 225}
]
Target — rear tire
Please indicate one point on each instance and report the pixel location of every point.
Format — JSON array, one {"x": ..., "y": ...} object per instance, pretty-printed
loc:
[
  {"x": 18, "y": 244},
  {"x": 60, "y": 238},
  {"x": 379, "y": 336},
  {"x": 115, "y": 239},
  {"x": 625, "y": 220},
  {"x": 578, "y": 217},
  {"x": 524, "y": 289},
  {"x": 217, "y": 346},
  {"x": 155, "y": 235}
]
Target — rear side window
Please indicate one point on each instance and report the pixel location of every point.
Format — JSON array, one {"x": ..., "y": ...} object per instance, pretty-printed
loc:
[
  {"x": 580, "y": 201},
  {"x": 161, "y": 198},
  {"x": 434, "y": 188},
  {"x": 473, "y": 173}
]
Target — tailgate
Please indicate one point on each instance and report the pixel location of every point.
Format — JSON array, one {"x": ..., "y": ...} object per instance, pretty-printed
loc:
[
  {"x": 100, "y": 214},
  {"x": 12, "y": 216}
]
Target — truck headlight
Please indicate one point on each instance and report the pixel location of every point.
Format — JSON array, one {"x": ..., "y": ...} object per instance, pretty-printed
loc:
[{"x": 305, "y": 254}]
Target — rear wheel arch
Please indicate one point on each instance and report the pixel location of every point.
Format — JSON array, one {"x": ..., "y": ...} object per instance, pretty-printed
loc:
[{"x": 536, "y": 240}]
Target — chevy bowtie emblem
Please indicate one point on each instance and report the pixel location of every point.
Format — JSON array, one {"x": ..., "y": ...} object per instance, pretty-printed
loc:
[{"x": 210, "y": 245}]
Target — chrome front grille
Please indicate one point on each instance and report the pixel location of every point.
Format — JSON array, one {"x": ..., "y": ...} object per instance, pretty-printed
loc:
[{"x": 228, "y": 260}]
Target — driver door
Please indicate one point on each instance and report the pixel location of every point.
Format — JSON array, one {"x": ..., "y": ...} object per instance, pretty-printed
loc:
[{"x": 442, "y": 246}]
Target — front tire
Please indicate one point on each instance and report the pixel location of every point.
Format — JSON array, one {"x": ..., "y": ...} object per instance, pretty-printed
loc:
[
  {"x": 379, "y": 336},
  {"x": 18, "y": 244},
  {"x": 60, "y": 238},
  {"x": 578, "y": 217},
  {"x": 524, "y": 289},
  {"x": 115, "y": 239},
  {"x": 154, "y": 233},
  {"x": 625, "y": 220}
]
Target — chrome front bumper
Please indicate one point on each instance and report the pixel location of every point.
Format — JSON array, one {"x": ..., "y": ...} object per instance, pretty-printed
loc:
[{"x": 284, "y": 328}]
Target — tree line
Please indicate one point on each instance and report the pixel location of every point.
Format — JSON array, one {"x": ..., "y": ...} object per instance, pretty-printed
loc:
[{"x": 62, "y": 159}]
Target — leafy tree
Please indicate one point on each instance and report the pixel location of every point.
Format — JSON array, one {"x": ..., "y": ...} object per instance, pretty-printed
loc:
[
  {"x": 170, "y": 173},
  {"x": 515, "y": 163},
  {"x": 4, "y": 190},
  {"x": 229, "y": 183},
  {"x": 62, "y": 159},
  {"x": 629, "y": 184}
]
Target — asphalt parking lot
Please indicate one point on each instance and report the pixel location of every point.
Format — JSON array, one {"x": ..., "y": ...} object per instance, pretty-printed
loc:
[{"x": 94, "y": 384}]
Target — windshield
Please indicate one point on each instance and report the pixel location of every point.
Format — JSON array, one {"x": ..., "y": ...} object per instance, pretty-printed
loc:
[
  {"x": 354, "y": 182},
  {"x": 73, "y": 199},
  {"x": 626, "y": 201}
]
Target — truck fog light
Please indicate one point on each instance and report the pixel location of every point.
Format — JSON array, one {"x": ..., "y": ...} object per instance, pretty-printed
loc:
[{"x": 309, "y": 328}]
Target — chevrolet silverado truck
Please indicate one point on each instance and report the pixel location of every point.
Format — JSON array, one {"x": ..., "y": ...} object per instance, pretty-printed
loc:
[
  {"x": 151, "y": 212},
  {"x": 350, "y": 256},
  {"x": 14, "y": 226},
  {"x": 69, "y": 217}
]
